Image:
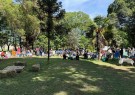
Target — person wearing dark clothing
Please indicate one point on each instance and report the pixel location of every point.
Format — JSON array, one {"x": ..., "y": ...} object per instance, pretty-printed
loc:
[
  {"x": 113, "y": 52},
  {"x": 77, "y": 56},
  {"x": 64, "y": 55},
  {"x": 86, "y": 55},
  {"x": 121, "y": 53}
]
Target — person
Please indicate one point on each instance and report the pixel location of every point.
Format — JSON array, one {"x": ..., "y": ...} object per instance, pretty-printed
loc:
[
  {"x": 113, "y": 52},
  {"x": 77, "y": 55},
  {"x": 125, "y": 53},
  {"x": 37, "y": 51},
  {"x": 18, "y": 52},
  {"x": 8, "y": 54},
  {"x": 23, "y": 52},
  {"x": 121, "y": 52},
  {"x": 86, "y": 55},
  {"x": 64, "y": 55},
  {"x": 13, "y": 53},
  {"x": 2, "y": 54},
  {"x": 40, "y": 51}
]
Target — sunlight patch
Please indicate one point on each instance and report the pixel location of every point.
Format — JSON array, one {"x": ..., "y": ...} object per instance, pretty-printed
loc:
[
  {"x": 90, "y": 88},
  {"x": 79, "y": 76},
  {"x": 67, "y": 72},
  {"x": 38, "y": 79},
  {"x": 61, "y": 93},
  {"x": 114, "y": 66},
  {"x": 94, "y": 79},
  {"x": 72, "y": 69}
]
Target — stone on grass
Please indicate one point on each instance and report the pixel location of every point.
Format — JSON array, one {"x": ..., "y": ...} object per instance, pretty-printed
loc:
[
  {"x": 7, "y": 73},
  {"x": 3, "y": 73},
  {"x": 35, "y": 67},
  {"x": 11, "y": 73},
  {"x": 18, "y": 69}
]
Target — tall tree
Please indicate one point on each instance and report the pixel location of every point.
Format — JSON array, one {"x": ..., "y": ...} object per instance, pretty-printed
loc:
[
  {"x": 131, "y": 29},
  {"x": 101, "y": 25},
  {"x": 122, "y": 11},
  {"x": 3, "y": 39},
  {"x": 30, "y": 22},
  {"x": 53, "y": 10},
  {"x": 78, "y": 20},
  {"x": 73, "y": 38}
]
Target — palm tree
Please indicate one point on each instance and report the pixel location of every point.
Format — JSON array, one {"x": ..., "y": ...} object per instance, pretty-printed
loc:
[{"x": 101, "y": 23}]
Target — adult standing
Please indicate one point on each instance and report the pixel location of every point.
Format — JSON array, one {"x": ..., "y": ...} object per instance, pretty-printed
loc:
[
  {"x": 121, "y": 52},
  {"x": 77, "y": 55}
]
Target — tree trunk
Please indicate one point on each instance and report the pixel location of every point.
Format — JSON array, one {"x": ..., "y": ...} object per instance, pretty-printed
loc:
[
  {"x": 49, "y": 30},
  {"x": 48, "y": 46},
  {"x": 15, "y": 44},
  {"x": 1, "y": 48},
  {"x": 98, "y": 50},
  {"x": 20, "y": 43},
  {"x": 8, "y": 46},
  {"x": 32, "y": 45}
]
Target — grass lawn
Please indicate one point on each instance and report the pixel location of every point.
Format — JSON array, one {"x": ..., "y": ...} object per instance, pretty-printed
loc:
[{"x": 69, "y": 77}]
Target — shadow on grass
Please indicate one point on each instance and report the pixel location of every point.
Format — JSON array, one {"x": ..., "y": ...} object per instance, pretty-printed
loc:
[{"x": 68, "y": 77}]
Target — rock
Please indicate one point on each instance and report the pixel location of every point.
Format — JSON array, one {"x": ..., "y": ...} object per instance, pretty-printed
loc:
[
  {"x": 7, "y": 73},
  {"x": 36, "y": 67},
  {"x": 11, "y": 73},
  {"x": 18, "y": 63},
  {"x": 3, "y": 73},
  {"x": 18, "y": 69}
]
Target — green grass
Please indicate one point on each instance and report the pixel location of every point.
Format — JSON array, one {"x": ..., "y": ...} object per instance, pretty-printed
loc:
[{"x": 69, "y": 77}]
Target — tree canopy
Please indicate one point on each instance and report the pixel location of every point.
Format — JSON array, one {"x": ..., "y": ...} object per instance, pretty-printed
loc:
[{"x": 35, "y": 23}]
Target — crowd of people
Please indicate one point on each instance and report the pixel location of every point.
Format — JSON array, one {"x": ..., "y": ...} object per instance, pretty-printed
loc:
[
  {"x": 117, "y": 53},
  {"x": 110, "y": 53},
  {"x": 75, "y": 54},
  {"x": 105, "y": 55},
  {"x": 21, "y": 52},
  {"x": 71, "y": 54}
]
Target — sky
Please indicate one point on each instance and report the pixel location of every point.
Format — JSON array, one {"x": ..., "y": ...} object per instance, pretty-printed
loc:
[{"x": 90, "y": 7}]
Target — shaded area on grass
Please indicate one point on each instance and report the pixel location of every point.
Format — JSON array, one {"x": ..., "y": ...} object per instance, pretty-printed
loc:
[{"x": 68, "y": 77}]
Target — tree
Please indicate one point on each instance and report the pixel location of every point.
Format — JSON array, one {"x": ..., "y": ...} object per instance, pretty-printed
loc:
[
  {"x": 122, "y": 11},
  {"x": 41, "y": 41},
  {"x": 73, "y": 39},
  {"x": 3, "y": 39},
  {"x": 78, "y": 20},
  {"x": 8, "y": 18},
  {"x": 53, "y": 11},
  {"x": 29, "y": 21},
  {"x": 84, "y": 42},
  {"x": 101, "y": 27},
  {"x": 131, "y": 30}
]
